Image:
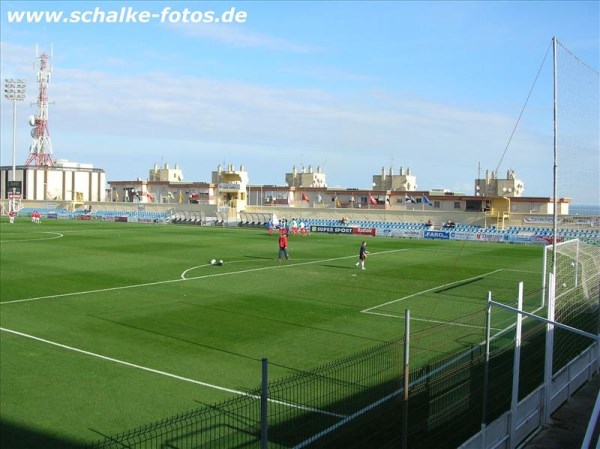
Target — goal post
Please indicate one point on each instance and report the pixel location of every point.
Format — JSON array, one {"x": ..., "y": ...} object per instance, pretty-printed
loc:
[{"x": 577, "y": 276}]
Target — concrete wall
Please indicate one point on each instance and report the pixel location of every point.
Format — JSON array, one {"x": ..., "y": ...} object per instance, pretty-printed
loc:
[{"x": 391, "y": 215}]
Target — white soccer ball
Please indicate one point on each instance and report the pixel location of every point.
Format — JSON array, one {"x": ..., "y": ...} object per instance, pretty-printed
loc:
[
  {"x": 212, "y": 262},
  {"x": 572, "y": 264},
  {"x": 564, "y": 285}
]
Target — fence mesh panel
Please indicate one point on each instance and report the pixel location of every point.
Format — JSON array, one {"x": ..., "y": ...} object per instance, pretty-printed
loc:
[{"x": 357, "y": 401}]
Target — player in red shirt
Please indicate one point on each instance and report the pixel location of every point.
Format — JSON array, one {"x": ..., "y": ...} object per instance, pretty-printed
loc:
[{"x": 283, "y": 240}]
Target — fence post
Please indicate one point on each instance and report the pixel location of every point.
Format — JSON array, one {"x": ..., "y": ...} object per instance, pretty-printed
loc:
[
  {"x": 548, "y": 360},
  {"x": 486, "y": 363},
  {"x": 544, "y": 276},
  {"x": 264, "y": 393},
  {"x": 406, "y": 378},
  {"x": 516, "y": 370}
]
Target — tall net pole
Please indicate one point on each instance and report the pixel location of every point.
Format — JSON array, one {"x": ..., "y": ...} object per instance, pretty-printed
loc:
[{"x": 555, "y": 165}]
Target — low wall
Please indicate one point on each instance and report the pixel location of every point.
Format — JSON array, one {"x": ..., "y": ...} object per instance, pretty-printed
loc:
[{"x": 375, "y": 214}]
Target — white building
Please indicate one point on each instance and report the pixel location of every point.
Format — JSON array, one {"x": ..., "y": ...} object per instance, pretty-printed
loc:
[
  {"x": 304, "y": 178},
  {"x": 493, "y": 186},
  {"x": 231, "y": 187},
  {"x": 404, "y": 181},
  {"x": 63, "y": 181}
]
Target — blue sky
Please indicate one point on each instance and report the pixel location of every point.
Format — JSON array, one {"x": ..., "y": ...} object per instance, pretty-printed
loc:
[{"x": 348, "y": 86}]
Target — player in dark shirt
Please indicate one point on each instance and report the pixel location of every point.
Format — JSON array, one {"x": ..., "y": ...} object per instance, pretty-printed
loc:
[{"x": 362, "y": 255}]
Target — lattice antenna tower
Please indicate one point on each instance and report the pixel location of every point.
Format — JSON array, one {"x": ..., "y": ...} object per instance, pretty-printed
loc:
[{"x": 40, "y": 151}]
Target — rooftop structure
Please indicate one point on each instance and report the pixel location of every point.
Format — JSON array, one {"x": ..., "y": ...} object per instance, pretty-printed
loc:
[
  {"x": 165, "y": 174},
  {"x": 404, "y": 180},
  {"x": 493, "y": 186},
  {"x": 305, "y": 178}
]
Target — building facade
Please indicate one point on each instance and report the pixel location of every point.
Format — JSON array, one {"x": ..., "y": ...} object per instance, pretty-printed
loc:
[
  {"x": 63, "y": 181},
  {"x": 493, "y": 186},
  {"x": 404, "y": 180},
  {"x": 306, "y": 178},
  {"x": 230, "y": 190}
]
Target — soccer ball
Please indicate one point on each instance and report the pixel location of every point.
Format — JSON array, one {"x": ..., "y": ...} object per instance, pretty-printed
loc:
[
  {"x": 572, "y": 264},
  {"x": 213, "y": 262},
  {"x": 564, "y": 285}
]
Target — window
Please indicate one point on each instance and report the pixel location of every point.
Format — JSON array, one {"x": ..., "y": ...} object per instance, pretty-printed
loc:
[{"x": 457, "y": 205}]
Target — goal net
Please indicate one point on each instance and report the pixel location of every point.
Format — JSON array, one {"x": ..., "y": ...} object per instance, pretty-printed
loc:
[{"x": 577, "y": 279}]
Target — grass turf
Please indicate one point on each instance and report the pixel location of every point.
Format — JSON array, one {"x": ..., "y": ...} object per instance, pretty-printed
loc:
[{"x": 109, "y": 326}]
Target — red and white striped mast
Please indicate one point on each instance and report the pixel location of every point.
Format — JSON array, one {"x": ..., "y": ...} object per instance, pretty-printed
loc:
[{"x": 40, "y": 151}]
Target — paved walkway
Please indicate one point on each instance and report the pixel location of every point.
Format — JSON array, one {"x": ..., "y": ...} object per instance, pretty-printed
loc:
[{"x": 569, "y": 423}]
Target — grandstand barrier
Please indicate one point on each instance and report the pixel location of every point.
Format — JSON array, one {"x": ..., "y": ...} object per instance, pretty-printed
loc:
[{"x": 528, "y": 234}]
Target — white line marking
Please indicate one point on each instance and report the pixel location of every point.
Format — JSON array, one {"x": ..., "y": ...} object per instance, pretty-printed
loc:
[
  {"x": 64, "y": 295},
  {"x": 427, "y": 320},
  {"x": 428, "y": 290},
  {"x": 168, "y": 281},
  {"x": 287, "y": 265},
  {"x": 164, "y": 373},
  {"x": 57, "y": 235},
  {"x": 208, "y": 265}
]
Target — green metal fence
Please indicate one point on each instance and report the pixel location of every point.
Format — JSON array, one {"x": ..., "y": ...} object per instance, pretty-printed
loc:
[{"x": 357, "y": 401}]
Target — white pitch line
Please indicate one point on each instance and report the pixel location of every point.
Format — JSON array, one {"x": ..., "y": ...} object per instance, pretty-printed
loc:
[
  {"x": 427, "y": 320},
  {"x": 121, "y": 362},
  {"x": 427, "y": 291},
  {"x": 163, "y": 373},
  {"x": 168, "y": 281},
  {"x": 288, "y": 265},
  {"x": 64, "y": 295},
  {"x": 57, "y": 235}
]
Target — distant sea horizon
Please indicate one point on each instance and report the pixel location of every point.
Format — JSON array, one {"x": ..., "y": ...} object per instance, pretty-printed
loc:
[{"x": 584, "y": 209}]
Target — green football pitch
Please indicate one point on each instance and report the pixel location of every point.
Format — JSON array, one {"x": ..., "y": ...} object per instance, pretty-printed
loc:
[{"x": 110, "y": 326}]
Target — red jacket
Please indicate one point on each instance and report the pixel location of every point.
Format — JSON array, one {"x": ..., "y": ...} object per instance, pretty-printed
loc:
[{"x": 283, "y": 241}]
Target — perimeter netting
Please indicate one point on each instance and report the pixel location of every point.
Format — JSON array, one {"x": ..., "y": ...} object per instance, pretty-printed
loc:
[{"x": 578, "y": 136}]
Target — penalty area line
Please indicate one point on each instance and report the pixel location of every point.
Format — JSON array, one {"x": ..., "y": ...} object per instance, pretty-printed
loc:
[
  {"x": 428, "y": 320},
  {"x": 427, "y": 291},
  {"x": 161, "y": 373}
]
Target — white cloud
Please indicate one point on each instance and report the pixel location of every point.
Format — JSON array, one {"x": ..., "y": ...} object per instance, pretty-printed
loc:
[
  {"x": 240, "y": 37},
  {"x": 148, "y": 117}
]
